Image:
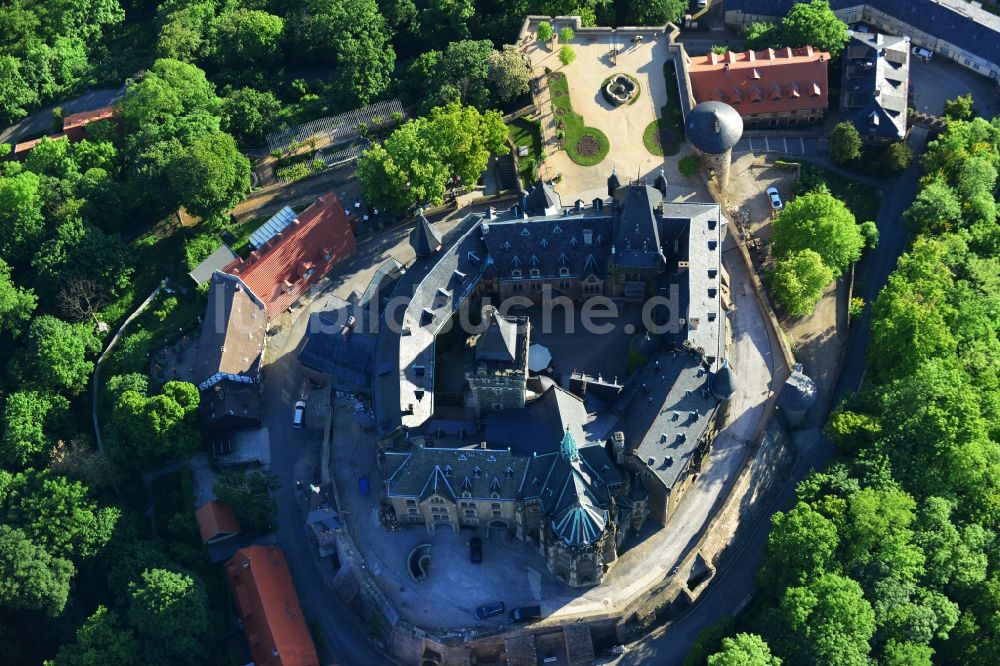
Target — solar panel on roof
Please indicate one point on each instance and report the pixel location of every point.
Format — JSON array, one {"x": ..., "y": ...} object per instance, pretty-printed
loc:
[{"x": 272, "y": 227}]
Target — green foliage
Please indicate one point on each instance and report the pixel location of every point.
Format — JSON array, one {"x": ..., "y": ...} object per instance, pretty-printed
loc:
[
  {"x": 31, "y": 419},
  {"x": 57, "y": 353},
  {"x": 802, "y": 543},
  {"x": 831, "y": 621},
  {"x": 935, "y": 210},
  {"x": 817, "y": 221},
  {"x": 869, "y": 230},
  {"x": 650, "y": 12},
  {"x": 249, "y": 114},
  {"x": 576, "y": 130},
  {"x": 81, "y": 251},
  {"x": 16, "y": 303},
  {"x": 21, "y": 219},
  {"x": 211, "y": 176},
  {"x": 150, "y": 429},
  {"x": 566, "y": 34},
  {"x": 896, "y": 158},
  {"x": 689, "y": 166},
  {"x": 744, "y": 650},
  {"x": 959, "y": 108},
  {"x": 544, "y": 31},
  {"x": 251, "y": 495},
  {"x": 845, "y": 143},
  {"x": 509, "y": 73},
  {"x": 30, "y": 578},
  {"x": 709, "y": 640},
  {"x": 246, "y": 38},
  {"x": 414, "y": 164},
  {"x": 101, "y": 640},
  {"x": 856, "y": 307},
  {"x": 566, "y": 54},
  {"x": 760, "y": 35},
  {"x": 169, "y": 610},
  {"x": 798, "y": 281}
]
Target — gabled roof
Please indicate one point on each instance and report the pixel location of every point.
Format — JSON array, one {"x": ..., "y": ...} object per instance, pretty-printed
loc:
[
  {"x": 269, "y": 608},
  {"x": 233, "y": 333},
  {"x": 637, "y": 241},
  {"x": 769, "y": 81},
  {"x": 875, "y": 84},
  {"x": 424, "y": 239},
  {"x": 216, "y": 261},
  {"x": 83, "y": 118},
  {"x": 423, "y": 472},
  {"x": 216, "y": 520},
  {"x": 542, "y": 199},
  {"x": 320, "y": 237}
]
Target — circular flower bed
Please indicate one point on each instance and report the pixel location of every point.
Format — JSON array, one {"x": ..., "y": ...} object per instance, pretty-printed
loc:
[{"x": 588, "y": 146}]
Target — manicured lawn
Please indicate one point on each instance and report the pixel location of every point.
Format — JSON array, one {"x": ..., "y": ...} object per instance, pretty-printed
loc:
[
  {"x": 663, "y": 135},
  {"x": 528, "y": 133},
  {"x": 586, "y": 146}
]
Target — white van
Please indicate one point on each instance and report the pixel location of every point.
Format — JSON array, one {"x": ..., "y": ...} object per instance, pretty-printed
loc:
[
  {"x": 299, "y": 415},
  {"x": 922, "y": 53}
]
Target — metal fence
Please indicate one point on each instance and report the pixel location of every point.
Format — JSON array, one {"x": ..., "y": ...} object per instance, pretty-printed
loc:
[{"x": 340, "y": 128}]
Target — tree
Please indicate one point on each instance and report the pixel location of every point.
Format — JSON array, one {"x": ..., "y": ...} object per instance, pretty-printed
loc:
[
  {"x": 709, "y": 641},
  {"x": 798, "y": 281},
  {"x": 78, "y": 459},
  {"x": 16, "y": 303},
  {"x": 935, "y": 210},
  {"x": 814, "y": 24},
  {"x": 21, "y": 220},
  {"x": 57, "y": 353},
  {"x": 169, "y": 611},
  {"x": 182, "y": 33},
  {"x": 566, "y": 35},
  {"x": 57, "y": 514},
  {"x": 897, "y": 157},
  {"x": 898, "y": 653},
  {"x": 744, "y": 650},
  {"x": 150, "y": 429},
  {"x": 761, "y": 36},
  {"x": 650, "y": 12},
  {"x": 801, "y": 546},
  {"x": 101, "y": 640},
  {"x": 249, "y": 114},
  {"x": 509, "y": 74},
  {"x": 210, "y": 177},
  {"x": 16, "y": 96},
  {"x": 30, "y": 578},
  {"x": 959, "y": 108},
  {"x": 820, "y": 222},
  {"x": 830, "y": 622},
  {"x": 566, "y": 55},
  {"x": 465, "y": 69},
  {"x": 845, "y": 143},
  {"x": 246, "y": 39},
  {"x": 80, "y": 251},
  {"x": 80, "y": 299},
  {"x": 30, "y": 418},
  {"x": 250, "y": 494},
  {"x": 869, "y": 231},
  {"x": 544, "y": 31}
]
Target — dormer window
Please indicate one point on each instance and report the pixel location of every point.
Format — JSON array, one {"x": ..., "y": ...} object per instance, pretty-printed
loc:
[
  {"x": 534, "y": 260},
  {"x": 476, "y": 471},
  {"x": 516, "y": 273},
  {"x": 535, "y": 272},
  {"x": 557, "y": 229},
  {"x": 572, "y": 241},
  {"x": 563, "y": 271},
  {"x": 525, "y": 233},
  {"x": 544, "y": 243},
  {"x": 506, "y": 246},
  {"x": 563, "y": 259},
  {"x": 447, "y": 470},
  {"x": 516, "y": 261}
]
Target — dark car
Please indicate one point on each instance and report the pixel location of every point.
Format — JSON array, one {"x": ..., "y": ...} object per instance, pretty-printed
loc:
[
  {"x": 476, "y": 550},
  {"x": 489, "y": 610},
  {"x": 525, "y": 614}
]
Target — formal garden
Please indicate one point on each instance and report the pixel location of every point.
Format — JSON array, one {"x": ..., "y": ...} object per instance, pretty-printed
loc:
[{"x": 586, "y": 146}]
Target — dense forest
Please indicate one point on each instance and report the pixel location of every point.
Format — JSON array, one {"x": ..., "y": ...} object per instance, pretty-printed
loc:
[{"x": 891, "y": 555}]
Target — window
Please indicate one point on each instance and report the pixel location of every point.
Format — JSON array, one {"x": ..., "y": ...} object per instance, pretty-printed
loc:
[
  {"x": 495, "y": 506},
  {"x": 496, "y": 514},
  {"x": 413, "y": 511},
  {"x": 536, "y": 286},
  {"x": 516, "y": 273},
  {"x": 437, "y": 500},
  {"x": 564, "y": 285},
  {"x": 438, "y": 518},
  {"x": 535, "y": 272},
  {"x": 563, "y": 271},
  {"x": 518, "y": 287},
  {"x": 470, "y": 513},
  {"x": 411, "y": 502}
]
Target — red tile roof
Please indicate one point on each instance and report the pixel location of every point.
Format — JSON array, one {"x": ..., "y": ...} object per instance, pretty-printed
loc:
[
  {"x": 278, "y": 273},
  {"x": 267, "y": 604},
  {"x": 86, "y": 117},
  {"x": 763, "y": 81},
  {"x": 216, "y": 519},
  {"x": 25, "y": 147}
]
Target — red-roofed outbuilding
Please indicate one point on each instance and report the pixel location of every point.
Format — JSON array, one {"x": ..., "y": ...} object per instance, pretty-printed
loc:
[
  {"x": 216, "y": 521},
  {"x": 269, "y": 608},
  {"x": 294, "y": 259},
  {"x": 74, "y": 125}
]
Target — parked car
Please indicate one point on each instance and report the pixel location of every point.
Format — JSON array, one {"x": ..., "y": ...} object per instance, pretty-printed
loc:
[
  {"x": 489, "y": 610},
  {"x": 702, "y": 4},
  {"x": 922, "y": 53},
  {"x": 526, "y": 614},
  {"x": 476, "y": 550},
  {"x": 861, "y": 27},
  {"x": 772, "y": 194},
  {"x": 299, "y": 415}
]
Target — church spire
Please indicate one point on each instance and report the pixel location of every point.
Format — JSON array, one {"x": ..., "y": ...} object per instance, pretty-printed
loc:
[{"x": 568, "y": 447}]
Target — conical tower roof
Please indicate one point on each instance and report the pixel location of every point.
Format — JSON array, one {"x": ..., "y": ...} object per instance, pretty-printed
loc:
[
  {"x": 724, "y": 382},
  {"x": 613, "y": 182},
  {"x": 661, "y": 182},
  {"x": 424, "y": 239},
  {"x": 713, "y": 127}
]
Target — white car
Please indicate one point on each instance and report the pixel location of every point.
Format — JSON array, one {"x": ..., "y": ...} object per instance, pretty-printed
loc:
[
  {"x": 702, "y": 4},
  {"x": 299, "y": 415},
  {"x": 772, "y": 194},
  {"x": 922, "y": 53}
]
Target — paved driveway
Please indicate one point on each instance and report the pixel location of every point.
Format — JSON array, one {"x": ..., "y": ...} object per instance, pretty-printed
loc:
[{"x": 941, "y": 79}]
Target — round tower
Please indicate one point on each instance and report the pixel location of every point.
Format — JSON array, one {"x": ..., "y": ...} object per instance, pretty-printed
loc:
[{"x": 713, "y": 128}]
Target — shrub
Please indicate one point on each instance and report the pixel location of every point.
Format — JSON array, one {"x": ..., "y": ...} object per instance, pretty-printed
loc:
[
  {"x": 856, "y": 307},
  {"x": 689, "y": 165},
  {"x": 544, "y": 31},
  {"x": 566, "y": 34},
  {"x": 567, "y": 55}
]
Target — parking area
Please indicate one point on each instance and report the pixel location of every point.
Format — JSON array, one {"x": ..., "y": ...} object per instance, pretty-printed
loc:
[
  {"x": 795, "y": 145},
  {"x": 941, "y": 79}
]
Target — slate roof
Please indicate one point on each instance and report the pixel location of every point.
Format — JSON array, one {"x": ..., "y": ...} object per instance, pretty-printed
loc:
[
  {"x": 269, "y": 608},
  {"x": 499, "y": 341},
  {"x": 233, "y": 333},
  {"x": 724, "y": 382},
  {"x": 216, "y": 261},
  {"x": 769, "y": 81},
  {"x": 573, "y": 246},
  {"x": 448, "y": 472},
  {"x": 798, "y": 393},
  {"x": 229, "y": 405},
  {"x": 542, "y": 199},
  {"x": 973, "y": 28},
  {"x": 874, "y": 90},
  {"x": 637, "y": 235},
  {"x": 424, "y": 239},
  {"x": 294, "y": 259},
  {"x": 713, "y": 127},
  {"x": 334, "y": 348},
  {"x": 541, "y": 424}
]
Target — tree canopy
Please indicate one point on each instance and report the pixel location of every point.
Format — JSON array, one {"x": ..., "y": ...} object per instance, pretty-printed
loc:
[
  {"x": 251, "y": 495},
  {"x": 820, "y": 222},
  {"x": 798, "y": 281}
]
